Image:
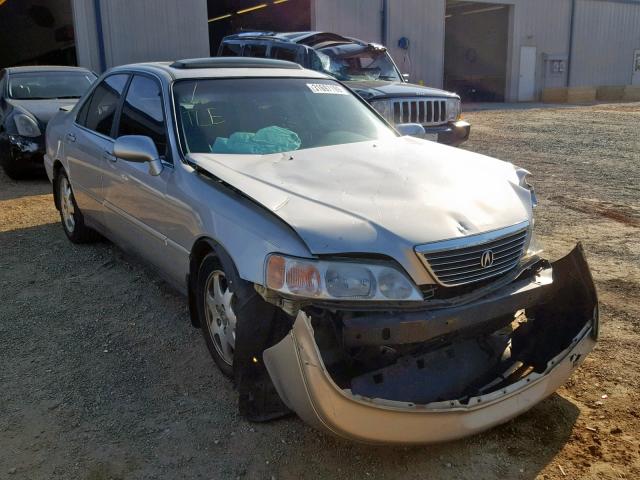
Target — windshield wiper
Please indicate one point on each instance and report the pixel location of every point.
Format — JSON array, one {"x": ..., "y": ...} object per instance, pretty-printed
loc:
[{"x": 67, "y": 97}]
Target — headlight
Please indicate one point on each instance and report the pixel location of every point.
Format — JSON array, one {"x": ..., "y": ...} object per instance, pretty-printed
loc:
[
  {"x": 384, "y": 108},
  {"x": 453, "y": 109},
  {"x": 27, "y": 126},
  {"x": 338, "y": 280},
  {"x": 523, "y": 180}
]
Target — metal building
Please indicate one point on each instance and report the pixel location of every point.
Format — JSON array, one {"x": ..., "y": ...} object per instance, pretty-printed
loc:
[{"x": 484, "y": 49}]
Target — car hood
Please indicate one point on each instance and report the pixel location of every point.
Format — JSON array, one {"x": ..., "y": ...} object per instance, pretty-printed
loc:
[
  {"x": 379, "y": 89},
  {"x": 374, "y": 197},
  {"x": 43, "y": 110}
]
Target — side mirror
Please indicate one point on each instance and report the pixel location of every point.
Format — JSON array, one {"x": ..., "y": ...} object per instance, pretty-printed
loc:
[
  {"x": 405, "y": 76},
  {"x": 138, "y": 149},
  {"x": 411, "y": 129}
]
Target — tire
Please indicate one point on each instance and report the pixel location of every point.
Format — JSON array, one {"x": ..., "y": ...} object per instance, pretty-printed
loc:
[
  {"x": 217, "y": 317},
  {"x": 70, "y": 215},
  {"x": 252, "y": 326}
]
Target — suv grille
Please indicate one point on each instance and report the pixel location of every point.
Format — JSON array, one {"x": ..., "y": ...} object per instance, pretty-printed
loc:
[
  {"x": 419, "y": 110},
  {"x": 475, "y": 258}
]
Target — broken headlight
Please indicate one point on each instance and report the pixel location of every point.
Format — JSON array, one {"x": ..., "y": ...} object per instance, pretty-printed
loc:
[{"x": 338, "y": 280}]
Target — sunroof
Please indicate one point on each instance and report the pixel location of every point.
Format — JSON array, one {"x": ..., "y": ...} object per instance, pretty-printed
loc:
[{"x": 233, "y": 62}]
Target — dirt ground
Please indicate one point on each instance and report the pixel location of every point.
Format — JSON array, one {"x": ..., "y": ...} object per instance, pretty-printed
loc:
[{"x": 102, "y": 376}]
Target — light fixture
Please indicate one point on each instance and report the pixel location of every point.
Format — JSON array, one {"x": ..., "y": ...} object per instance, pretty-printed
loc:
[
  {"x": 251, "y": 9},
  {"x": 215, "y": 19}
]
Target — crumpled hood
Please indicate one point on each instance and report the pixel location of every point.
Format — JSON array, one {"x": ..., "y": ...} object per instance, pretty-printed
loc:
[
  {"x": 42, "y": 110},
  {"x": 380, "y": 89},
  {"x": 380, "y": 197}
]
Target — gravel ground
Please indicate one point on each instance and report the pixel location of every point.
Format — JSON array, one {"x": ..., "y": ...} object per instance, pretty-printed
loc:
[{"x": 103, "y": 377}]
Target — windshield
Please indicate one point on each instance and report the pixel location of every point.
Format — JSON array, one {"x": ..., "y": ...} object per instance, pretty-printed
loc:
[
  {"x": 362, "y": 64},
  {"x": 271, "y": 115},
  {"x": 49, "y": 85}
]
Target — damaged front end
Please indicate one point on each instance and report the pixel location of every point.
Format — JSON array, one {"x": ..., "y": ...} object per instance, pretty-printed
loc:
[{"x": 439, "y": 373}]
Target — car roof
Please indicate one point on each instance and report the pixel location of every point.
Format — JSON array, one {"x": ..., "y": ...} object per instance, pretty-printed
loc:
[
  {"x": 313, "y": 39},
  {"x": 223, "y": 67},
  {"x": 45, "y": 68}
]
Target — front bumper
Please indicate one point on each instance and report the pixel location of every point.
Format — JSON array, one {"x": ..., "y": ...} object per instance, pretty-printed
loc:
[
  {"x": 453, "y": 133},
  {"x": 297, "y": 370},
  {"x": 25, "y": 152}
]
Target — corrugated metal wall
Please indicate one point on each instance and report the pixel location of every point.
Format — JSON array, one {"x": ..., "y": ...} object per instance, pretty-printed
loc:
[
  {"x": 142, "y": 30},
  {"x": 353, "y": 18},
  {"x": 422, "y": 22},
  {"x": 606, "y": 35}
]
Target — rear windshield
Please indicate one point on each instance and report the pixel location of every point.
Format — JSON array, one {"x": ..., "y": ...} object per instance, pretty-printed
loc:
[
  {"x": 271, "y": 115},
  {"x": 49, "y": 85}
]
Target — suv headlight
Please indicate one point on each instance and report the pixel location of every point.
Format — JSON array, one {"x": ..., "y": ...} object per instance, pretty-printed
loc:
[
  {"x": 338, "y": 280},
  {"x": 384, "y": 108},
  {"x": 27, "y": 126},
  {"x": 453, "y": 109}
]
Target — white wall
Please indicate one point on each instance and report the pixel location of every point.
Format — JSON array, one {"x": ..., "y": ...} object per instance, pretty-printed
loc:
[{"x": 141, "y": 30}]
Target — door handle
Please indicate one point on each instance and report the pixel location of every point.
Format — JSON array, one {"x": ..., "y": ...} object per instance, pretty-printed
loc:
[
  {"x": 109, "y": 156},
  {"x": 71, "y": 137}
]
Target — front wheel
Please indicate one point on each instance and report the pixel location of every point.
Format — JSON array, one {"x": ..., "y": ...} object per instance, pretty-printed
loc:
[
  {"x": 238, "y": 325},
  {"x": 70, "y": 215},
  {"x": 219, "y": 326}
]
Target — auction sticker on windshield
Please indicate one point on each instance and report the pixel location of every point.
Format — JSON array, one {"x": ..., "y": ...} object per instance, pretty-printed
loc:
[{"x": 326, "y": 88}]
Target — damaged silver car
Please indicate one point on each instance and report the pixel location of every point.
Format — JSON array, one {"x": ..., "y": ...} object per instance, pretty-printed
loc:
[{"x": 387, "y": 289}]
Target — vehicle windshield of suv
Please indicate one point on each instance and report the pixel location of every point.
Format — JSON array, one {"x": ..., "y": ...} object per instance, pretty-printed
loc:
[
  {"x": 49, "y": 85},
  {"x": 271, "y": 115},
  {"x": 352, "y": 64}
]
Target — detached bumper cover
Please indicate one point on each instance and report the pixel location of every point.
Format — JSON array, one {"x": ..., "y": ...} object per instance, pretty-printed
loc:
[{"x": 302, "y": 381}]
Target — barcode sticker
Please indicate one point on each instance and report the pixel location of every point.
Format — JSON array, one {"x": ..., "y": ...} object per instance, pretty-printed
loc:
[{"x": 331, "y": 89}]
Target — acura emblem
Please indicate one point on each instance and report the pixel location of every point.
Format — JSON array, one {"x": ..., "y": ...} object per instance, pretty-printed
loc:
[{"x": 486, "y": 260}]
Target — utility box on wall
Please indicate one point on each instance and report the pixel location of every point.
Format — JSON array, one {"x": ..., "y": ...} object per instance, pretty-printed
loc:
[{"x": 555, "y": 70}]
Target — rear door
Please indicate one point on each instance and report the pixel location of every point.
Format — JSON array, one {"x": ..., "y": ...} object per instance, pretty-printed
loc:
[
  {"x": 137, "y": 209},
  {"x": 87, "y": 142}
]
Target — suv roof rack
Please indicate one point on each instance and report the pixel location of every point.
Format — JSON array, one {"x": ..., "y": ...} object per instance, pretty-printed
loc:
[{"x": 234, "y": 62}]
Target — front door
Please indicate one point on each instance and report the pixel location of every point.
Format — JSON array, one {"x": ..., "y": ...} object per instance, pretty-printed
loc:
[
  {"x": 527, "y": 83},
  {"x": 635, "y": 80},
  {"x": 136, "y": 203},
  {"x": 88, "y": 140}
]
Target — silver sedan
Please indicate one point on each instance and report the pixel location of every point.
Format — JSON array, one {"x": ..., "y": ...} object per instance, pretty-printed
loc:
[{"x": 387, "y": 289}]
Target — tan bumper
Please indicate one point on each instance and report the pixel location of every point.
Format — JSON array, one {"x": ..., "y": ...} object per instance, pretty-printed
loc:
[{"x": 299, "y": 375}]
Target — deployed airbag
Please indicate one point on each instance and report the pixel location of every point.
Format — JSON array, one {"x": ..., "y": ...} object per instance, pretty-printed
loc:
[{"x": 266, "y": 140}]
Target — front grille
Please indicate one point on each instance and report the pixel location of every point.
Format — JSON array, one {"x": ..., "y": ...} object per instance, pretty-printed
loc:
[
  {"x": 460, "y": 261},
  {"x": 419, "y": 110}
]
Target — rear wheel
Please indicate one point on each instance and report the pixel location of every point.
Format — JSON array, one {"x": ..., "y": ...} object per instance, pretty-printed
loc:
[{"x": 70, "y": 215}]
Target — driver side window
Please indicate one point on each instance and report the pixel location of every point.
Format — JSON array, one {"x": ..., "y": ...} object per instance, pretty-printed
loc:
[{"x": 98, "y": 112}]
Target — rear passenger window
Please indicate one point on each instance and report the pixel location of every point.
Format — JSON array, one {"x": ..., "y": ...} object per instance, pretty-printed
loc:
[
  {"x": 142, "y": 112},
  {"x": 282, "y": 53},
  {"x": 231, "y": 50},
  {"x": 254, "y": 51},
  {"x": 99, "y": 110}
]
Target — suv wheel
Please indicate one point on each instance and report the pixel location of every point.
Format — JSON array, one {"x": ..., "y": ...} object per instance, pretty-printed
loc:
[{"x": 70, "y": 215}]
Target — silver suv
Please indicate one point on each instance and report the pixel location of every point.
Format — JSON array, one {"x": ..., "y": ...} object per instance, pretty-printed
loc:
[{"x": 383, "y": 287}]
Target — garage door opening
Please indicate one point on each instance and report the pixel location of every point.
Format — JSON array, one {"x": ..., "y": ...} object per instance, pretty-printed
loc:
[
  {"x": 36, "y": 33},
  {"x": 476, "y": 42},
  {"x": 227, "y": 17}
]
